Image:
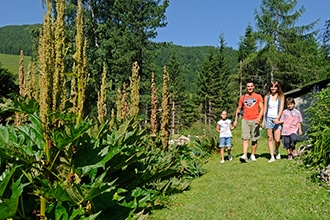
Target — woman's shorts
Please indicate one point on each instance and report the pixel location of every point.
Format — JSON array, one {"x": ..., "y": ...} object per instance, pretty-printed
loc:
[
  {"x": 270, "y": 124},
  {"x": 225, "y": 142}
]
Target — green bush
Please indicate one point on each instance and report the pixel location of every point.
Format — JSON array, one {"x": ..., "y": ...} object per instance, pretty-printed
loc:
[
  {"x": 94, "y": 171},
  {"x": 319, "y": 129}
]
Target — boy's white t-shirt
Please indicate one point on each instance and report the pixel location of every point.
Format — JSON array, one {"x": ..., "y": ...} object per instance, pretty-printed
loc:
[{"x": 225, "y": 128}]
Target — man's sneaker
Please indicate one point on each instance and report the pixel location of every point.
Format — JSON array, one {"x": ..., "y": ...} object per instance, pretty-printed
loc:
[
  {"x": 222, "y": 161},
  {"x": 294, "y": 153},
  {"x": 230, "y": 158},
  {"x": 253, "y": 158},
  {"x": 290, "y": 157},
  {"x": 243, "y": 159},
  {"x": 272, "y": 159}
]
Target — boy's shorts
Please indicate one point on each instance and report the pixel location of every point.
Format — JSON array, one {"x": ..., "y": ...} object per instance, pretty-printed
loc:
[
  {"x": 225, "y": 142},
  {"x": 270, "y": 124},
  {"x": 289, "y": 141},
  {"x": 250, "y": 130}
]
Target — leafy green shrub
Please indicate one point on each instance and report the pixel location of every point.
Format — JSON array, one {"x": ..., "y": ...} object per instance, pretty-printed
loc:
[
  {"x": 94, "y": 171},
  {"x": 319, "y": 129}
]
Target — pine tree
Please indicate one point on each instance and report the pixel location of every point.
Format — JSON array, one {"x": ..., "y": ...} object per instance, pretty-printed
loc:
[
  {"x": 280, "y": 36},
  {"x": 247, "y": 48},
  {"x": 204, "y": 79},
  {"x": 119, "y": 34}
]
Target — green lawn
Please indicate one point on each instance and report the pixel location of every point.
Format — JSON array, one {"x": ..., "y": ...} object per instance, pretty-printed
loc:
[
  {"x": 11, "y": 62},
  {"x": 253, "y": 190}
]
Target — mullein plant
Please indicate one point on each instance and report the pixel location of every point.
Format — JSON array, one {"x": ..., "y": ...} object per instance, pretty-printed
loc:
[
  {"x": 154, "y": 107},
  {"x": 118, "y": 105},
  {"x": 134, "y": 89},
  {"x": 80, "y": 66},
  {"x": 52, "y": 91},
  {"x": 59, "y": 80},
  {"x": 123, "y": 103},
  {"x": 165, "y": 123},
  {"x": 101, "y": 101},
  {"x": 19, "y": 117}
]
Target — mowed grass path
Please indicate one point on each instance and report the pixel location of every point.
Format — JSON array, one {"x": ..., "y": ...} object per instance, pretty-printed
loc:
[{"x": 253, "y": 190}]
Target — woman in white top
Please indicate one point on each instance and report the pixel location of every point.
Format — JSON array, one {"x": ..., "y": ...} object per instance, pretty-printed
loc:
[{"x": 273, "y": 108}]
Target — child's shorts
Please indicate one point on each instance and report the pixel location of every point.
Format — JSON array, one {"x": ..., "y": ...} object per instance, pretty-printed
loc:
[
  {"x": 225, "y": 142},
  {"x": 289, "y": 141}
]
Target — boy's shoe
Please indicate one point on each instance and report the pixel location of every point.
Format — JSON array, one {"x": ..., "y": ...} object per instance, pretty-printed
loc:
[
  {"x": 243, "y": 159},
  {"x": 272, "y": 159},
  {"x": 294, "y": 153},
  {"x": 253, "y": 158},
  {"x": 222, "y": 161},
  {"x": 230, "y": 158},
  {"x": 290, "y": 157}
]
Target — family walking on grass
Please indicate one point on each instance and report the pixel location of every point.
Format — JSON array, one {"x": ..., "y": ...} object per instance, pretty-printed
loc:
[{"x": 277, "y": 121}]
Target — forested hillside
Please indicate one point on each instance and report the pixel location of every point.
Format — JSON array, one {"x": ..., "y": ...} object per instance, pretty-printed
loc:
[
  {"x": 22, "y": 37},
  {"x": 15, "y": 38},
  {"x": 189, "y": 58}
]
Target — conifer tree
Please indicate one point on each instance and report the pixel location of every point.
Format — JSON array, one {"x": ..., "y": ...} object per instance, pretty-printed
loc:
[
  {"x": 216, "y": 84},
  {"x": 247, "y": 47},
  {"x": 225, "y": 90},
  {"x": 204, "y": 79},
  {"x": 119, "y": 33},
  {"x": 285, "y": 45},
  {"x": 165, "y": 110}
]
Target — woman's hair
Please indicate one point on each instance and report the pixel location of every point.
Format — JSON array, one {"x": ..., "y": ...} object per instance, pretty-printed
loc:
[
  {"x": 279, "y": 89},
  {"x": 290, "y": 100}
]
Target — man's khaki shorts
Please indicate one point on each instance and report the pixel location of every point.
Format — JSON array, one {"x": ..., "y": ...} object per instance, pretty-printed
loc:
[{"x": 250, "y": 130}]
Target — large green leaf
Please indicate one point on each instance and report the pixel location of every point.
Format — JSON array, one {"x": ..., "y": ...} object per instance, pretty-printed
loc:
[
  {"x": 9, "y": 206},
  {"x": 4, "y": 180}
]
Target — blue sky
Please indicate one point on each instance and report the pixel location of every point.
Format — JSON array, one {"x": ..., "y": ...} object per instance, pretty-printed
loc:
[{"x": 190, "y": 22}]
